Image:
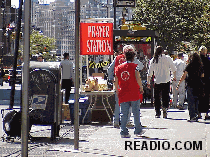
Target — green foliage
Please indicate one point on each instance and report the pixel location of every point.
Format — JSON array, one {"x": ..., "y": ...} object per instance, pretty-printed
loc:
[
  {"x": 41, "y": 44},
  {"x": 176, "y": 21}
]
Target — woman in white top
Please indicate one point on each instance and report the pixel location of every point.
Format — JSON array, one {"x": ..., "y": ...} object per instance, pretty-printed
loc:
[{"x": 160, "y": 66}]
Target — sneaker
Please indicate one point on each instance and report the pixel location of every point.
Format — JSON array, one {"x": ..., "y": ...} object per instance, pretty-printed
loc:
[
  {"x": 164, "y": 113},
  {"x": 116, "y": 125},
  {"x": 141, "y": 133},
  {"x": 207, "y": 118},
  {"x": 129, "y": 124},
  {"x": 126, "y": 136}
]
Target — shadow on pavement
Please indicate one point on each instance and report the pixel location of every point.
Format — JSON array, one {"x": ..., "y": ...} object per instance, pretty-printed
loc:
[
  {"x": 176, "y": 111},
  {"x": 175, "y": 119},
  {"x": 150, "y": 138},
  {"x": 96, "y": 152}
]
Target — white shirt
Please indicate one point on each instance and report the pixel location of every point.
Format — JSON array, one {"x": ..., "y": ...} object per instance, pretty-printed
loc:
[
  {"x": 67, "y": 69},
  {"x": 140, "y": 65},
  {"x": 162, "y": 68},
  {"x": 180, "y": 66},
  {"x": 185, "y": 58}
]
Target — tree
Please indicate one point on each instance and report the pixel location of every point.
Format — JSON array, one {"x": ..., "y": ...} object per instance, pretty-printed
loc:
[
  {"x": 176, "y": 21},
  {"x": 41, "y": 44}
]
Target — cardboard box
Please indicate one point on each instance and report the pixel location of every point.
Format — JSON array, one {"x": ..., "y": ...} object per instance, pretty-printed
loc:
[{"x": 65, "y": 112}]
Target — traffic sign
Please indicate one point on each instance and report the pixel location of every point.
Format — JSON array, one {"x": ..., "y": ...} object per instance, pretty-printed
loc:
[{"x": 125, "y": 3}]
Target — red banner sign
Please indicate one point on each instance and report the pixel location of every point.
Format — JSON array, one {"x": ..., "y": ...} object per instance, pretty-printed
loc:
[{"x": 96, "y": 38}]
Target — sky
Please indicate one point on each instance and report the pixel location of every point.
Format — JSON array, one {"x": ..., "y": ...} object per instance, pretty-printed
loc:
[{"x": 16, "y": 2}]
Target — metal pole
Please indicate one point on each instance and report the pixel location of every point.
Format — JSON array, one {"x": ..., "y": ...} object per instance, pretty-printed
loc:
[
  {"x": 114, "y": 2},
  {"x": 108, "y": 9},
  {"x": 3, "y": 34},
  {"x": 25, "y": 121},
  {"x": 152, "y": 82},
  {"x": 17, "y": 38},
  {"x": 76, "y": 104}
]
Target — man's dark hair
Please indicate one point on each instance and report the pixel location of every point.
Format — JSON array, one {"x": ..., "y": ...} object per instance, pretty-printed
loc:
[
  {"x": 180, "y": 55},
  {"x": 41, "y": 56},
  {"x": 158, "y": 52},
  {"x": 129, "y": 54},
  {"x": 65, "y": 55}
]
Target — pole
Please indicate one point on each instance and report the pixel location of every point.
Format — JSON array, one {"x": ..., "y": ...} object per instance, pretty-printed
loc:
[
  {"x": 24, "y": 120},
  {"x": 108, "y": 9},
  {"x": 114, "y": 3},
  {"x": 17, "y": 38},
  {"x": 76, "y": 104},
  {"x": 3, "y": 34}
]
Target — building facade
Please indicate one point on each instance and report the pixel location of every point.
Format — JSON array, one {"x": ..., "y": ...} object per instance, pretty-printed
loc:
[{"x": 57, "y": 20}]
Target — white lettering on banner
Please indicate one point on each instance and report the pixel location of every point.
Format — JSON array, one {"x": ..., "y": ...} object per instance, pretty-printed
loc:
[
  {"x": 98, "y": 31},
  {"x": 89, "y": 30},
  {"x": 98, "y": 45}
]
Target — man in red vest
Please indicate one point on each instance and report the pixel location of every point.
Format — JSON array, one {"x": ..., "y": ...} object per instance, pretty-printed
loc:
[
  {"x": 129, "y": 90},
  {"x": 119, "y": 59}
]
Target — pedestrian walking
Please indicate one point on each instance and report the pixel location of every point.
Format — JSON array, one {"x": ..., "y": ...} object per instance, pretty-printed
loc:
[
  {"x": 119, "y": 59},
  {"x": 1, "y": 76},
  {"x": 193, "y": 74},
  {"x": 160, "y": 66},
  {"x": 67, "y": 76},
  {"x": 180, "y": 66},
  {"x": 129, "y": 90},
  {"x": 203, "y": 106}
]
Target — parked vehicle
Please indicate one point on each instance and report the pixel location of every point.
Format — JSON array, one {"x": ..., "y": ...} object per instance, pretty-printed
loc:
[
  {"x": 18, "y": 76},
  {"x": 6, "y": 74}
]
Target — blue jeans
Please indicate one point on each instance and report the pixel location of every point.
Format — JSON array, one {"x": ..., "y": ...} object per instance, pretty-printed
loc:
[
  {"x": 192, "y": 103},
  {"x": 124, "y": 117},
  {"x": 117, "y": 111}
]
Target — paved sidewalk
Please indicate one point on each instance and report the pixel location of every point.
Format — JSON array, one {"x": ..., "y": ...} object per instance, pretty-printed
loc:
[{"x": 104, "y": 140}]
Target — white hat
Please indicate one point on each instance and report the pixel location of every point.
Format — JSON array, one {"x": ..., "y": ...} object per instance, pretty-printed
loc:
[{"x": 128, "y": 47}]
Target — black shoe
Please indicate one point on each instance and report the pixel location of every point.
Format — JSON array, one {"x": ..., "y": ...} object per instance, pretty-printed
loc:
[
  {"x": 194, "y": 119},
  {"x": 157, "y": 116},
  {"x": 207, "y": 118}
]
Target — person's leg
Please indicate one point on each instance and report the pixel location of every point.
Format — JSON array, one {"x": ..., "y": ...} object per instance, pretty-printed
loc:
[
  {"x": 181, "y": 93},
  {"x": 67, "y": 90},
  {"x": 191, "y": 102},
  {"x": 129, "y": 116},
  {"x": 116, "y": 112},
  {"x": 157, "y": 91},
  {"x": 196, "y": 105},
  {"x": 165, "y": 94},
  {"x": 175, "y": 93},
  {"x": 124, "y": 117},
  {"x": 136, "y": 112},
  {"x": 1, "y": 81},
  {"x": 165, "y": 97}
]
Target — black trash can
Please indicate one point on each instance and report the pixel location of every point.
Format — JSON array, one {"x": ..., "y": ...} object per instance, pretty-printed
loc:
[{"x": 45, "y": 95}]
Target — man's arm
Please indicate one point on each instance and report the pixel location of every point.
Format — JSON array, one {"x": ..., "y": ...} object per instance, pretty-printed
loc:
[
  {"x": 182, "y": 79},
  {"x": 150, "y": 72},
  {"x": 110, "y": 71},
  {"x": 116, "y": 85},
  {"x": 138, "y": 79},
  {"x": 172, "y": 67},
  {"x": 71, "y": 72}
]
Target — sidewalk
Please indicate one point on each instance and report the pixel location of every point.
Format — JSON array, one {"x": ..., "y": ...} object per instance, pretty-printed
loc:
[{"x": 104, "y": 140}]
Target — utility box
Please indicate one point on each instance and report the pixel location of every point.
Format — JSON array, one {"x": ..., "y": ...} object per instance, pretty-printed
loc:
[{"x": 45, "y": 95}]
